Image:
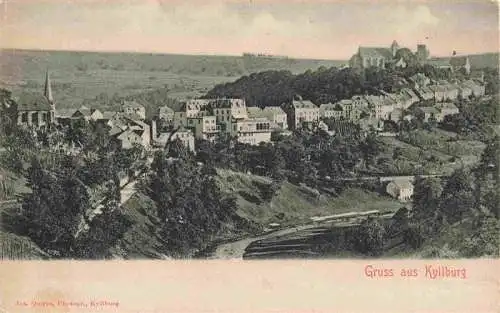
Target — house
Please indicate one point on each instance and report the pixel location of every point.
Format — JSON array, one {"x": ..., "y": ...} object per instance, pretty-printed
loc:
[
  {"x": 412, "y": 97},
  {"x": 81, "y": 113},
  {"x": 96, "y": 114},
  {"x": 452, "y": 91},
  {"x": 464, "y": 91},
  {"x": 185, "y": 136},
  {"x": 359, "y": 102},
  {"x": 129, "y": 138},
  {"x": 132, "y": 107},
  {"x": 343, "y": 109},
  {"x": 130, "y": 131},
  {"x": 459, "y": 63},
  {"x": 445, "y": 109},
  {"x": 166, "y": 113},
  {"x": 204, "y": 127},
  {"x": 35, "y": 110},
  {"x": 381, "y": 106},
  {"x": 400, "y": 189},
  {"x": 331, "y": 110},
  {"x": 87, "y": 114},
  {"x": 419, "y": 80},
  {"x": 302, "y": 113},
  {"x": 374, "y": 56},
  {"x": 439, "y": 92},
  {"x": 396, "y": 115},
  {"x": 350, "y": 111},
  {"x": 273, "y": 113},
  {"x": 425, "y": 93},
  {"x": 427, "y": 113},
  {"x": 252, "y": 131},
  {"x": 228, "y": 109},
  {"x": 477, "y": 88},
  {"x": 195, "y": 107}
]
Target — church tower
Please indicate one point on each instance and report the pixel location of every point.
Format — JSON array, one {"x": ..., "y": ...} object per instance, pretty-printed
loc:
[
  {"x": 394, "y": 48},
  {"x": 48, "y": 95}
]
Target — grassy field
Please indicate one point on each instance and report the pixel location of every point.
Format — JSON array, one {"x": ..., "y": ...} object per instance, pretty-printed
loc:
[{"x": 84, "y": 75}]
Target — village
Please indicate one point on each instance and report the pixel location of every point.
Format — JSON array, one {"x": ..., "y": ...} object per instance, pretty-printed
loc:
[
  {"x": 417, "y": 98},
  {"x": 318, "y": 147}
]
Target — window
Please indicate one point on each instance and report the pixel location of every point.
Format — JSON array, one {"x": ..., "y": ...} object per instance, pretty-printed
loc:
[
  {"x": 24, "y": 117},
  {"x": 34, "y": 118}
]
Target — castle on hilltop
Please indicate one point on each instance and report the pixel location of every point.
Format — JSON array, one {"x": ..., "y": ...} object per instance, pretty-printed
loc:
[{"x": 383, "y": 57}]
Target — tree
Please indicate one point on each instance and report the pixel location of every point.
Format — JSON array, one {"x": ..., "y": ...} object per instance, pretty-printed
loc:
[
  {"x": 189, "y": 203},
  {"x": 457, "y": 196},
  {"x": 370, "y": 148},
  {"x": 426, "y": 197},
  {"x": 370, "y": 237},
  {"x": 55, "y": 211},
  {"x": 484, "y": 240}
]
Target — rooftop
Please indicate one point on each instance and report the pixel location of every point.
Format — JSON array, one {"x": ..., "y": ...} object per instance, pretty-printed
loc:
[
  {"x": 33, "y": 102},
  {"x": 428, "y": 110},
  {"x": 402, "y": 183},
  {"x": 303, "y": 104},
  {"x": 375, "y": 52}
]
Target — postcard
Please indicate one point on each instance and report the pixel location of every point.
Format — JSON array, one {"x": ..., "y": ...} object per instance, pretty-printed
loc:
[{"x": 249, "y": 156}]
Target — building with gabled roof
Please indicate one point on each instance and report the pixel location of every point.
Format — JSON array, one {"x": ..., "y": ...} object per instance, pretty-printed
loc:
[
  {"x": 36, "y": 110},
  {"x": 273, "y": 113},
  {"x": 419, "y": 80},
  {"x": 133, "y": 107},
  {"x": 401, "y": 189},
  {"x": 185, "y": 136},
  {"x": 427, "y": 113},
  {"x": 376, "y": 56},
  {"x": 331, "y": 110},
  {"x": 252, "y": 131},
  {"x": 166, "y": 113},
  {"x": 445, "y": 109}
]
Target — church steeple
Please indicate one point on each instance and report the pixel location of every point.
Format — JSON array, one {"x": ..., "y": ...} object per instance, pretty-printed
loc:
[
  {"x": 394, "y": 48},
  {"x": 48, "y": 89}
]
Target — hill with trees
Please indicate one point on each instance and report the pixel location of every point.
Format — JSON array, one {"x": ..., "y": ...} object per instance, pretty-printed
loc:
[{"x": 272, "y": 88}]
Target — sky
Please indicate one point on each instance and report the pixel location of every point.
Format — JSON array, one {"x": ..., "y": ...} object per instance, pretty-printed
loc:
[{"x": 323, "y": 29}]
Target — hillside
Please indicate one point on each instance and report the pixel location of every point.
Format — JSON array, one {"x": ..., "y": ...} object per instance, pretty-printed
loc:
[
  {"x": 290, "y": 206},
  {"x": 85, "y": 75},
  {"x": 294, "y": 204}
]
